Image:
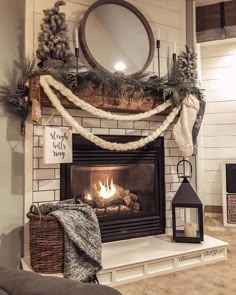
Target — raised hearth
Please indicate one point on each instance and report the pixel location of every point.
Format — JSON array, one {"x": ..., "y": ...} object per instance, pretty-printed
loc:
[
  {"x": 126, "y": 189},
  {"x": 138, "y": 259}
]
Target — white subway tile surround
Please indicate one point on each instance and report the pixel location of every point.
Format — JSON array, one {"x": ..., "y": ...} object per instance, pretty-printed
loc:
[{"x": 46, "y": 178}]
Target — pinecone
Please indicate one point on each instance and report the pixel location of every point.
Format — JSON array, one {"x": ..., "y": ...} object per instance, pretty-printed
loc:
[
  {"x": 187, "y": 65},
  {"x": 22, "y": 90},
  {"x": 71, "y": 80},
  {"x": 153, "y": 78}
]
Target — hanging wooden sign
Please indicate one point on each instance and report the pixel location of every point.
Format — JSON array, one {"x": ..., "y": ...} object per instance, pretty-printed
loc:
[{"x": 57, "y": 145}]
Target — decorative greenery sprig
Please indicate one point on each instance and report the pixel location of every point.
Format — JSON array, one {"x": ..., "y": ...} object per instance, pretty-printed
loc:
[{"x": 15, "y": 95}]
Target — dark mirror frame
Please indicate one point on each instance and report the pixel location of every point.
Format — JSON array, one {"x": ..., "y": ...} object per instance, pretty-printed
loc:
[{"x": 82, "y": 38}]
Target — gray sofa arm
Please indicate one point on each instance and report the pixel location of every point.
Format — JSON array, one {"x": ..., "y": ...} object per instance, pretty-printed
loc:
[{"x": 18, "y": 282}]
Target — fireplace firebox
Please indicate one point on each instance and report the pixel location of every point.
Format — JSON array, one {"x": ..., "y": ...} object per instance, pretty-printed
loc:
[{"x": 125, "y": 189}]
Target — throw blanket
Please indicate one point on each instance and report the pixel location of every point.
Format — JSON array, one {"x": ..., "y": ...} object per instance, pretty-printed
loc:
[{"x": 82, "y": 238}]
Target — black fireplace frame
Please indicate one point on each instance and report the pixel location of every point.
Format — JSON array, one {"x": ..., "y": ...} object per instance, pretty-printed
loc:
[{"x": 85, "y": 153}]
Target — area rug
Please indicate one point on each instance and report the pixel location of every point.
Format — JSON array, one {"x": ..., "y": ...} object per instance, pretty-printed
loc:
[{"x": 213, "y": 279}]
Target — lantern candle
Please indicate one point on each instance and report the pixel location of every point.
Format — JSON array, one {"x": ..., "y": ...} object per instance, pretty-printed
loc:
[{"x": 190, "y": 230}]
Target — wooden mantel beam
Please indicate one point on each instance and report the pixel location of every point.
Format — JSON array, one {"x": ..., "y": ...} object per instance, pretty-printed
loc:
[{"x": 126, "y": 104}]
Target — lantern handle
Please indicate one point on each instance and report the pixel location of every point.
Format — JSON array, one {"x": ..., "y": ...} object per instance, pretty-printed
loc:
[{"x": 184, "y": 175}]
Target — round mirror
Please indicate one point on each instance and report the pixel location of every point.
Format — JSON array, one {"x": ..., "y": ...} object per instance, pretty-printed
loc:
[{"x": 115, "y": 36}]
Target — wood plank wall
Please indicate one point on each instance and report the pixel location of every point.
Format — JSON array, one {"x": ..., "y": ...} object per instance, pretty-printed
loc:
[
  {"x": 218, "y": 136},
  {"x": 168, "y": 15}
]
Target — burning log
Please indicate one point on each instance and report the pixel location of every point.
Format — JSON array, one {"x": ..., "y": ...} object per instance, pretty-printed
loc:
[
  {"x": 112, "y": 197},
  {"x": 111, "y": 210}
]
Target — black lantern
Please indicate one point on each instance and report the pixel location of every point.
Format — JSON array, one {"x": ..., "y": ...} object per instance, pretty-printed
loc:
[{"x": 187, "y": 211}]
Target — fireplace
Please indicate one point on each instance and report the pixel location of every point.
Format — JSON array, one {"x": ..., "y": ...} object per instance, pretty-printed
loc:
[{"x": 125, "y": 189}]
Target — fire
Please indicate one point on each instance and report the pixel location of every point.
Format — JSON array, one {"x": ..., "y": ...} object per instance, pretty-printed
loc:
[
  {"x": 88, "y": 197},
  {"x": 107, "y": 190}
]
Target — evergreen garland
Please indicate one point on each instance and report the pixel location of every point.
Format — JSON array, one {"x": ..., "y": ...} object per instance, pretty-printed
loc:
[
  {"x": 111, "y": 85},
  {"x": 53, "y": 40}
]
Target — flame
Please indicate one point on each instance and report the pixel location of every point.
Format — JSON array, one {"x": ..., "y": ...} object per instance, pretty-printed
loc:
[
  {"x": 107, "y": 190},
  {"x": 88, "y": 197}
]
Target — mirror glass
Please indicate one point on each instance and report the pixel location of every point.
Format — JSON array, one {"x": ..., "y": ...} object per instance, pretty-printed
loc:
[{"x": 117, "y": 39}]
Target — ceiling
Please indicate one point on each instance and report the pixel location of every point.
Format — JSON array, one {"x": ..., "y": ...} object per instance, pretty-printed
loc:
[{"x": 208, "y": 2}]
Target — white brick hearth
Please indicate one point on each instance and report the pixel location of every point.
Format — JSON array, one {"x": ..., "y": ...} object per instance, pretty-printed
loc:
[{"x": 137, "y": 259}]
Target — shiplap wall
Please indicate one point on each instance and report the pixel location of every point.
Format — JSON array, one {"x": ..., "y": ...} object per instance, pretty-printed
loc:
[
  {"x": 218, "y": 136},
  {"x": 168, "y": 15}
]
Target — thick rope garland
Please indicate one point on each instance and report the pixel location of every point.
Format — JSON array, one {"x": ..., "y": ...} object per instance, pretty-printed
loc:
[
  {"x": 97, "y": 112},
  {"x": 95, "y": 139}
]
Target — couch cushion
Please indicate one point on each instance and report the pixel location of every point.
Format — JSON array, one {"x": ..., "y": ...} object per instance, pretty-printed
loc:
[{"x": 17, "y": 282}]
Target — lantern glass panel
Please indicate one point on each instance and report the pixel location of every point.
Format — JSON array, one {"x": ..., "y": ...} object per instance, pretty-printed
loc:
[{"x": 187, "y": 223}]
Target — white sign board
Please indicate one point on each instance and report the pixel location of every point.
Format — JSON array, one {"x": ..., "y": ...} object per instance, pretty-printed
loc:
[{"x": 57, "y": 145}]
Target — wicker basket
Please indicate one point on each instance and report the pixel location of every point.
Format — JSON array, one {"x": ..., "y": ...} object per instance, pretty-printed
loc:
[{"x": 46, "y": 242}]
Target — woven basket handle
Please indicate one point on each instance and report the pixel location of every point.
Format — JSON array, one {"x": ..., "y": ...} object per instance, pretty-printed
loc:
[{"x": 34, "y": 208}]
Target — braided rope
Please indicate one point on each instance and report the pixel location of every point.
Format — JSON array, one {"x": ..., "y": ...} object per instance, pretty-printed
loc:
[
  {"x": 101, "y": 142},
  {"x": 97, "y": 112}
]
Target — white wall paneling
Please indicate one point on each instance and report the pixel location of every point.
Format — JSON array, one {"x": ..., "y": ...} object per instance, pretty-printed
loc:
[{"x": 218, "y": 136}]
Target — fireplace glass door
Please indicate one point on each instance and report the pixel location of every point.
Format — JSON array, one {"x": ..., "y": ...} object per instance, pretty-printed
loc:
[
  {"x": 125, "y": 188},
  {"x": 116, "y": 190}
]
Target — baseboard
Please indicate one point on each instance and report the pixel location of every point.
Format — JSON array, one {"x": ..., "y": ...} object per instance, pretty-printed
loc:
[{"x": 213, "y": 209}]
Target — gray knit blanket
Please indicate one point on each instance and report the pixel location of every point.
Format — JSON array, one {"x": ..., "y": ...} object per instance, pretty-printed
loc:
[{"x": 82, "y": 238}]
